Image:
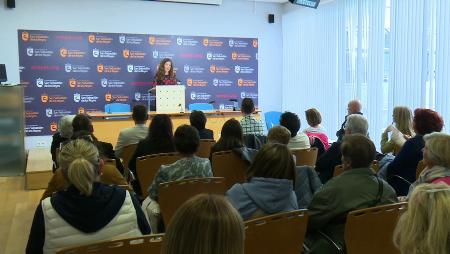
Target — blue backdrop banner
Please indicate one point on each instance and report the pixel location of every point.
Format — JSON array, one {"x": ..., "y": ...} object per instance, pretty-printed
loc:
[{"x": 79, "y": 72}]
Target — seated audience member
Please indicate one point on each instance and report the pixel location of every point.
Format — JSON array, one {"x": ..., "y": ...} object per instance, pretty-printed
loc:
[
  {"x": 250, "y": 125},
  {"x": 88, "y": 211},
  {"x": 198, "y": 120},
  {"x": 357, "y": 188},
  {"x": 136, "y": 133},
  {"x": 158, "y": 140},
  {"x": 109, "y": 175},
  {"x": 270, "y": 188},
  {"x": 315, "y": 130},
  {"x": 353, "y": 107},
  {"x": 307, "y": 181},
  {"x": 205, "y": 224},
  {"x": 231, "y": 138},
  {"x": 299, "y": 140},
  {"x": 423, "y": 227},
  {"x": 186, "y": 141},
  {"x": 402, "y": 127},
  {"x": 405, "y": 163},
  {"x": 355, "y": 124},
  {"x": 436, "y": 158},
  {"x": 64, "y": 134}
]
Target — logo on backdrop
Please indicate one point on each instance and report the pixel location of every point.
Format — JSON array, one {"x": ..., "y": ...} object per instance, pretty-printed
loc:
[
  {"x": 49, "y": 112},
  {"x": 30, "y": 51},
  {"x": 25, "y": 36},
  {"x": 91, "y": 38}
]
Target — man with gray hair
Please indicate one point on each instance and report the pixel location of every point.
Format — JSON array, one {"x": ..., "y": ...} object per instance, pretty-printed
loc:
[
  {"x": 64, "y": 134},
  {"x": 354, "y": 124}
]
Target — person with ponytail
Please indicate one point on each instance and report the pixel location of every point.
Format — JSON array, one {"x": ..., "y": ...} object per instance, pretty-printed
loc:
[{"x": 87, "y": 211}]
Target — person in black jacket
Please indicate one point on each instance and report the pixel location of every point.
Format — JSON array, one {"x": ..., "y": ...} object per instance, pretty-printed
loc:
[
  {"x": 353, "y": 107},
  {"x": 198, "y": 120}
]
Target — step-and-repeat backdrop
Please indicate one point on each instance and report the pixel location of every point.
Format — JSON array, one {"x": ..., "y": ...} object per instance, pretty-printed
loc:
[{"x": 79, "y": 72}]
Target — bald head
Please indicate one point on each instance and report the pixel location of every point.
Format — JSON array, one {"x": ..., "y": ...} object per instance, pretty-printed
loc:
[{"x": 354, "y": 107}]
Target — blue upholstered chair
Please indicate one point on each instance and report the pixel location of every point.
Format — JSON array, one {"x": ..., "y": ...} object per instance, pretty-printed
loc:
[{"x": 272, "y": 118}]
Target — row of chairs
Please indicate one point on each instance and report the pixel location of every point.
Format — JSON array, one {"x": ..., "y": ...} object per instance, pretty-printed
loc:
[
  {"x": 367, "y": 231},
  {"x": 376, "y": 167}
]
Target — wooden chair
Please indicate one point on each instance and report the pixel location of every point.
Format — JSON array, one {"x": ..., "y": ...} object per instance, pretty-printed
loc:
[
  {"x": 148, "y": 166},
  {"x": 420, "y": 168},
  {"x": 173, "y": 194},
  {"x": 204, "y": 149},
  {"x": 370, "y": 230},
  {"x": 127, "y": 153},
  {"x": 278, "y": 233},
  {"x": 149, "y": 244},
  {"x": 306, "y": 157},
  {"x": 228, "y": 164}
]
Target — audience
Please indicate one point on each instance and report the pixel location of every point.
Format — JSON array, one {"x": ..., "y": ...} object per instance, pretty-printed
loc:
[
  {"x": 205, "y": 224},
  {"x": 88, "y": 211},
  {"x": 136, "y": 133},
  {"x": 64, "y": 133},
  {"x": 402, "y": 170},
  {"x": 270, "y": 188},
  {"x": 158, "y": 140},
  {"x": 436, "y": 159},
  {"x": 401, "y": 129},
  {"x": 279, "y": 134},
  {"x": 353, "y": 107},
  {"x": 357, "y": 188},
  {"x": 198, "y": 120},
  {"x": 315, "y": 130},
  {"x": 292, "y": 123},
  {"x": 355, "y": 124},
  {"x": 423, "y": 228},
  {"x": 250, "y": 125}
]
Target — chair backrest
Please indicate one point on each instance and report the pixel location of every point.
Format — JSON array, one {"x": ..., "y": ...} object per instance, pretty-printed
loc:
[
  {"x": 278, "y": 233},
  {"x": 127, "y": 153},
  {"x": 173, "y": 194},
  {"x": 204, "y": 149},
  {"x": 306, "y": 157},
  {"x": 149, "y": 244},
  {"x": 148, "y": 166},
  {"x": 370, "y": 230},
  {"x": 420, "y": 168},
  {"x": 229, "y": 165},
  {"x": 201, "y": 106},
  {"x": 272, "y": 118},
  {"x": 117, "y": 107}
]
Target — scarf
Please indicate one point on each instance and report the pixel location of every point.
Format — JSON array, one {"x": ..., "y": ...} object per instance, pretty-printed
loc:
[{"x": 429, "y": 175}]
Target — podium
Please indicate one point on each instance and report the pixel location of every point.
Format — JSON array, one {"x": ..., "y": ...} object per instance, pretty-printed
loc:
[{"x": 170, "y": 98}]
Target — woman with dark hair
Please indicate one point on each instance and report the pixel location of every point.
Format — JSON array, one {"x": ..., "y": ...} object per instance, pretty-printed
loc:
[
  {"x": 402, "y": 170},
  {"x": 159, "y": 140},
  {"x": 231, "y": 137},
  {"x": 165, "y": 74},
  {"x": 270, "y": 188}
]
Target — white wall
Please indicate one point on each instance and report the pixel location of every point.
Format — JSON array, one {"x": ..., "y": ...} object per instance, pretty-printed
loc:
[{"x": 239, "y": 18}]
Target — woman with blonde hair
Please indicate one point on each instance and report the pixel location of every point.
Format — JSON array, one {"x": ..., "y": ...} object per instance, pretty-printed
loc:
[
  {"x": 401, "y": 129},
  {"x": 423, "y": 228},
  {"x": 205, "y": 224},
  {"x": 87, "y": 211}
]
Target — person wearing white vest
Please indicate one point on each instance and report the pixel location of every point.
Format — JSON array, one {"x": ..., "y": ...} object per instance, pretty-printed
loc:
[{"x": 87, "y": 211}]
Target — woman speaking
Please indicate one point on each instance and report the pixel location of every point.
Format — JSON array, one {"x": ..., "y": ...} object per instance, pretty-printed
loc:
[{"x": 165, "y": 74}]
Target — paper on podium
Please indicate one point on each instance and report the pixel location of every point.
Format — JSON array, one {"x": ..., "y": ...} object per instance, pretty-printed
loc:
[{"x": 170, "y": 99}]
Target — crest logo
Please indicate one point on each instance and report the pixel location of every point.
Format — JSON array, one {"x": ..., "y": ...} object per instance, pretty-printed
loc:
[
  {"x": 81, "y": 110},
  {"x": 30, "y": 51},
  {"x": 240, "y": 82},
  {"x": 108, "y": 97},
  {"x": 104, "y": 82},
  {"x": 255, "y": 43},
  {"x": 155, "y": 54},
  {"x": 151, "y": 40},
  {"x": 237, "y": 68},
  {"x": 63, "y": 52},
  {"x": 91, "y": 38},
  {"x": 100, "y": 68},
  {"x": 95, "y": 52},
  {"x": 231, "y": 42},
  {"x": 72, "y": 83},
  {"x": 53, "y": 127},
  {"x": 206, "y": 42},
  {"x": 25, "y": 36},
  {"x": 209, "y": 55},
  {"x": 222, "y": 106},
  {"x": 126, "y": 53},
  {"x": 179, "y": 41},
  {"x": 48, "y": 112},
  {"x": 215, "y": 82},
  {"x": 193, "y": 95},
  {"x": 189, "y": 82},
  {"x": 68, "y": 67},
  {"x": 130, "y": 68},
  {"x": 234, "y": 55},
  {"x": 137, "y": 96},
  {"x": 44, "y": 98},
  {"x": 186, "y": 68},
  {"x": 243, "y": 95},
  {"x": 39, "y": 82},
  {"x": 122, "y": 39},
  {"x": 76, "y": 97},
  {"x": 212, "y": 68}
]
